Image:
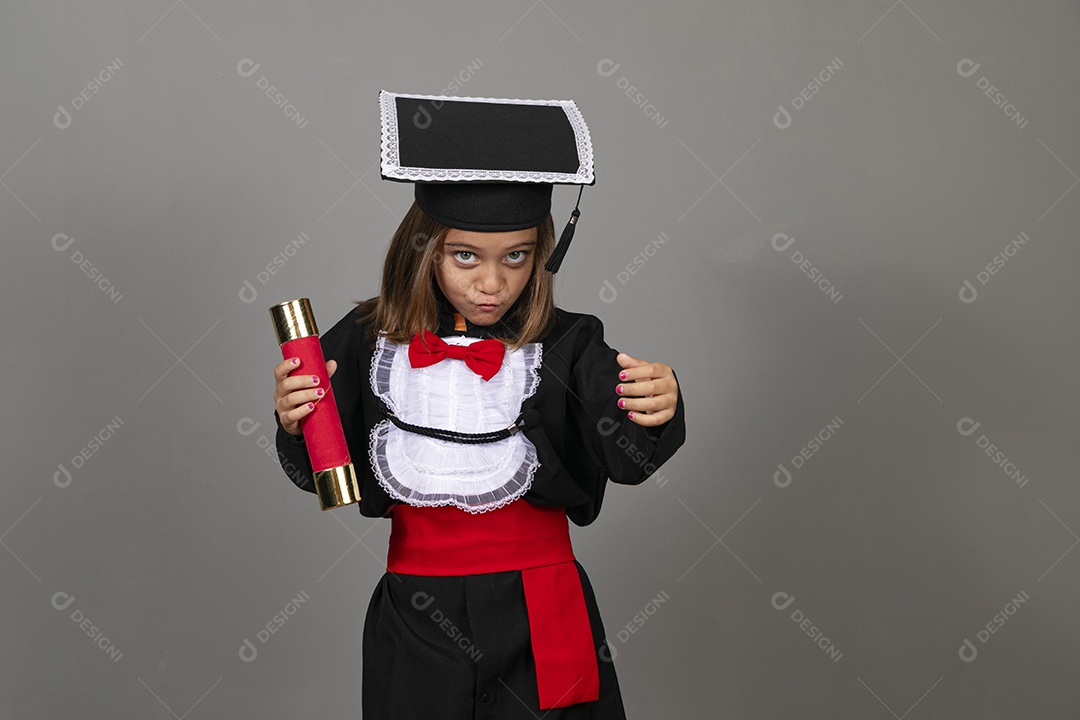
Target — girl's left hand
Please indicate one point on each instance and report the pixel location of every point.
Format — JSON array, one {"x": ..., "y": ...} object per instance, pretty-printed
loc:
[{"x": 650, "y": 391}]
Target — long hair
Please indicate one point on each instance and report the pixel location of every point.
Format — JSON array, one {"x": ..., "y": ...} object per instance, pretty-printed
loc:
[{"x": 406, "y": 302}]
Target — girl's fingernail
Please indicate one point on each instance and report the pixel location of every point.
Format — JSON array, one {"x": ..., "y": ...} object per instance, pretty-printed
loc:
[
  {"x": 622, "y": 375},
  {"x": 622, "y": 403},
  {"x": 630, "y": 415},
  {"x": 296, "y": 361},
  {"x": 314, "y": 378},
  {"x": 618, "y": 389},
  {"x": 310, "y": 406},
  {"x": 319, "y": 391}
]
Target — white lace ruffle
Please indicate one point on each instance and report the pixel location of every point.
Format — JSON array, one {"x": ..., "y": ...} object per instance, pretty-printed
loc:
[
  {"x": 392, "y": 168},
  {"x": 421, "y": 470}
]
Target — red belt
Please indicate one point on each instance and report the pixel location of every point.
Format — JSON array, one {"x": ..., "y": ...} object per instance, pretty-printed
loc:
[{"x": 523, "y": 536}]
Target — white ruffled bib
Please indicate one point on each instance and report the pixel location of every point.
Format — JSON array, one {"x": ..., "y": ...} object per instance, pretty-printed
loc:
[{"x": 421, "y": 470}]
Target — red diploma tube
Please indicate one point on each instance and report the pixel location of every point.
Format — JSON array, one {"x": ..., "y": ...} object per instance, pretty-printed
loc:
[{"x": 298, "y": 336}]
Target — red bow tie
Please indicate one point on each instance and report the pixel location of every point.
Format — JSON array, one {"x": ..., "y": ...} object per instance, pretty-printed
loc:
[{"x": 483, "y": 357}]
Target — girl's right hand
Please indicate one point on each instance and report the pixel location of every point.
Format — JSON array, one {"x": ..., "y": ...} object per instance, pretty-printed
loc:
[{"x": 292, "y": 394}]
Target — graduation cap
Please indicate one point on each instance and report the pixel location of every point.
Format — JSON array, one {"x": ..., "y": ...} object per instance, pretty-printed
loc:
[{"x": 486, "y": 164}]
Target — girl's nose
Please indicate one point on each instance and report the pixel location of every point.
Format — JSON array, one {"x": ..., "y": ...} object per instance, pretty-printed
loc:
[{"x": 490, "y": 282}]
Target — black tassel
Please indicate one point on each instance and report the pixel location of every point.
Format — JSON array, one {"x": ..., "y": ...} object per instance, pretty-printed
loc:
[{"x": 561, "y": 247}]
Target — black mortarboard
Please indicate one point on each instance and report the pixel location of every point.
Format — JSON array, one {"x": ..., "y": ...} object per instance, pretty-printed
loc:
[{"x": 486, "y": 164}]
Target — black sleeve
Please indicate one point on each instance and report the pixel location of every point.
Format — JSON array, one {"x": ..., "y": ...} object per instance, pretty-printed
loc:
[
  {"x": 629, "y": 453},
  {"x": 339, "y": 343},
  {"x": 293, "y": 455}
]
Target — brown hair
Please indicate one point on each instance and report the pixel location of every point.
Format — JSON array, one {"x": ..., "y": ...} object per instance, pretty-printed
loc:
[{"x": 406, "y": 302}]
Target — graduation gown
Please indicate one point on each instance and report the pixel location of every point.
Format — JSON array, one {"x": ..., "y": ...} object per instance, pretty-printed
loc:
[{"x": 458, "y": 646}]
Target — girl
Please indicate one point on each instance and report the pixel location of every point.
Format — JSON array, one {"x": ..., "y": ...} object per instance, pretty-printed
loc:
[{"x": 488, "y": 417}]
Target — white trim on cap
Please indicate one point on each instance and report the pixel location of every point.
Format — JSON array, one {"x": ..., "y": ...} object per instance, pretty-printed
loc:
[{"x": 392, "y": 168}]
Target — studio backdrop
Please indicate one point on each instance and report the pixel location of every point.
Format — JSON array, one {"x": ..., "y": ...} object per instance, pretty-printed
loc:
[{"x": 850, "y": 228}]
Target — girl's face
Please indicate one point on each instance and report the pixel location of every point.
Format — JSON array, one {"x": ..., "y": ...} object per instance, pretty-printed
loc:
[{"x": 483, "y": 273}]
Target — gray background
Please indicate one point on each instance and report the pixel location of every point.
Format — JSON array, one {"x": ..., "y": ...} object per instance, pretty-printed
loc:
[{"x": 178, "y": 180}]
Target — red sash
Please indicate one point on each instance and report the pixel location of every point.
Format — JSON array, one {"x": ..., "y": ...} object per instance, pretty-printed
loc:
[{"x": 521, "y": 536}]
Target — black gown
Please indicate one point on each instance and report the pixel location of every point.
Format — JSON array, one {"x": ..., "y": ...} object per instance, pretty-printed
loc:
[{"x": 451, "y": 647}]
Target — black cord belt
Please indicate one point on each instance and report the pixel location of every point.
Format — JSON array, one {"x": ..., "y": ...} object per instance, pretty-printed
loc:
[{"x": 525, "y": 419}]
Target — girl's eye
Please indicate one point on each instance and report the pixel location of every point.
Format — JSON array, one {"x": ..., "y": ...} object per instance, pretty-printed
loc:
[
  {"x": 520, "y": 253},
  {"x": 462, "y": 252}
]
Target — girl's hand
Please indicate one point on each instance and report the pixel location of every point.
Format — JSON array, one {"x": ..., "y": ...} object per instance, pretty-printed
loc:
[
  {"x": 650, "y": 390},
  {"x": 292, "y": 394}
]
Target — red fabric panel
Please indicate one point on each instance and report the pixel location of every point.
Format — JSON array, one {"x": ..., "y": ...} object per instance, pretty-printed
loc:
[
  {"x": 566, "y": 671},
  {"x": 446, "y": 540}
]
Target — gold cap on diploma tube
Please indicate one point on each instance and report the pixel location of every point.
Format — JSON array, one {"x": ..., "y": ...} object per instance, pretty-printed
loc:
[
  {"x": 293, "y": 320},
  {"x": 336, "y": 486}
]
